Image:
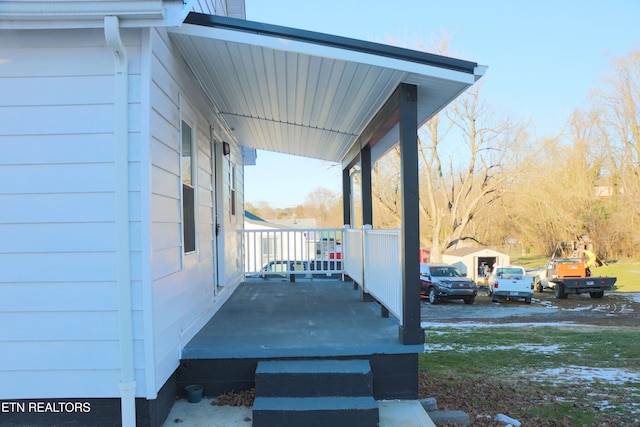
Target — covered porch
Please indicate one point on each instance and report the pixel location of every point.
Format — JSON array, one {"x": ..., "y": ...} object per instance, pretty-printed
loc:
[
  {"x": 347, "y": 101},
  {"x": 320, "y": 319},
  {"x": 331, "y": 98}
]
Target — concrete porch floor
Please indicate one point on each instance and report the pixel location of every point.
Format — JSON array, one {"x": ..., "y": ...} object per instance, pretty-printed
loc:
[{"x": 319, "y": 318}]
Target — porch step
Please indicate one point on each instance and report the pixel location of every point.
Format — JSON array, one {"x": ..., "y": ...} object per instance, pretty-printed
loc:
[
  {"x": 315, "y": 412},
  {"x": 310, "y": 378},
  {"x": 315, "y": 393}
]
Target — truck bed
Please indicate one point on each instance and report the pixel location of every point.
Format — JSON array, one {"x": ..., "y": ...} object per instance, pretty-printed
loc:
[{"x": 595, "y": 285}]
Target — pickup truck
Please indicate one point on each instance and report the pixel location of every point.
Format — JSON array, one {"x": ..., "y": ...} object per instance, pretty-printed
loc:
[
  {"x": 510, "y": 282},
  {"x": 570, "y": 276}
]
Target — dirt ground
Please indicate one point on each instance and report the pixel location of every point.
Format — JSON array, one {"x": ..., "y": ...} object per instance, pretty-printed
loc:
[{"x": 614, "y": 309}]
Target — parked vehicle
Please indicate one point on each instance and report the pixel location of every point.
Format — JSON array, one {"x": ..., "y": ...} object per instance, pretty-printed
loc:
[
  {"x": 568, "y": 271},
  {"x": 510, "y": 282},
  {"x": 281, "y": 269},
  {"x": 297, "y": 269},
  {"x": 445, "y": 282}
]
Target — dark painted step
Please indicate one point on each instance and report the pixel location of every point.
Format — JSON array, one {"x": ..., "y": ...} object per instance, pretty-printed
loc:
[
  {"x": 309, "y": 378},
  {"x": 316, "y": 411}
]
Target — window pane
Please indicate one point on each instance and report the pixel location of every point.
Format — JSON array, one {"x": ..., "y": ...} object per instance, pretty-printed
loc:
[
  {"x": 186, "y": 154},
  {"x": 189, "y": 226}
]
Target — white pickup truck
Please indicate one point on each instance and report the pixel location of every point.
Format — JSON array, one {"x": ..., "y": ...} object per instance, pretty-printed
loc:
[{"x": 510, "y": 282}]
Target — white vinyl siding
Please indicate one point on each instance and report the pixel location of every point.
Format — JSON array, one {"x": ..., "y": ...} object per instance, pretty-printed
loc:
[
  {"x": 57, "y": 251},
  {"x": 184, "y": 292},
  {"x": 58, "y": 255}
]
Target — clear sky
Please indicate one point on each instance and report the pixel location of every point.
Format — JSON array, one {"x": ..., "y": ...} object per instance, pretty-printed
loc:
[{"x": 544, "y": 58}]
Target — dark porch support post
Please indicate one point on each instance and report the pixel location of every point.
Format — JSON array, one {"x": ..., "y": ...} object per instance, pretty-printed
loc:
[
  {"x": 367, "y": 204},
  {"x": 346, "y": 196},
  {"x": 410, "y": 331},
  {"x": 367, "y": 196}
]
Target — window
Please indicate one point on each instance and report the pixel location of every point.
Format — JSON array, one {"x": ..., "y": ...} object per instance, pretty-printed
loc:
[
  {"x": 232, "y": 188},
  {"x": 188, "y": 192}
]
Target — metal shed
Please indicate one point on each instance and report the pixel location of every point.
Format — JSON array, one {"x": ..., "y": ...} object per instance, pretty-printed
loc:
[{"x": 472, "y": 261}]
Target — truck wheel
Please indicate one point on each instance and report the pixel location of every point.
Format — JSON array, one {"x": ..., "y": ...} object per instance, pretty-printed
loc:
[
  {"x": 494, "y": 298},
  {"x": 559, "y": 292},
  {"x": 433, "y": 296},
  {"x": 540, "y": 287},
  {"x": 598, "y": 294},
  {"x": 469, "y": 301},
  {"x": 527, "y": 300}
]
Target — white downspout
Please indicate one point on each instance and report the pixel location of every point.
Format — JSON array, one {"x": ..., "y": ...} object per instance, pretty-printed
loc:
[{"x": 123, "y": 266}]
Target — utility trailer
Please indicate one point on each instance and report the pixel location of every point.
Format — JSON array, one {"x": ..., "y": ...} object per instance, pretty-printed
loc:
[
  {"x": 571, "y": 278},
  {"x": 568, "y": 271}
]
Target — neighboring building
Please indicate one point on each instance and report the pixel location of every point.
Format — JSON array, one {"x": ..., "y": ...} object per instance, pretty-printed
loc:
[
  {"x": 279, "y": 240},
  {"x": 474, "y": 261},
  {"x": 124, "y": 130}
]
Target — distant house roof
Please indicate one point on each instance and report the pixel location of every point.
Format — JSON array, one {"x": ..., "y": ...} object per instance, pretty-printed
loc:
[
  {"x": 282, "y": 223},
  {"x": 253, "y": 217},
  {"x": 296, "y": 223}
]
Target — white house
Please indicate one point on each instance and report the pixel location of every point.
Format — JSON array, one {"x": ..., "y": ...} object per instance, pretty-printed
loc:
[
  {"x": 293, "y": 240},
  {"x": 113, "y": 181},
  {"x": 124, "y": 127}
]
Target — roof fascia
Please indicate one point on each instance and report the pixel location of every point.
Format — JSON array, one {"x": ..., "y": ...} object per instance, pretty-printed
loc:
[
  {"x": 309, "y": 46},
  {"x": 345, "y": 43}
]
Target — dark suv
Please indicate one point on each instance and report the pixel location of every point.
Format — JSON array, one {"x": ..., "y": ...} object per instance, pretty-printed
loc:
[{"x": 443, "y": 281}]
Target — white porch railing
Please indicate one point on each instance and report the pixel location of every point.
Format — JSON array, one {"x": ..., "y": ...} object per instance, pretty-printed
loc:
[
  {"x": 293, "y": 251},
  {"x": 383, "y": 269},
  {"x": 370, "y": 257}
]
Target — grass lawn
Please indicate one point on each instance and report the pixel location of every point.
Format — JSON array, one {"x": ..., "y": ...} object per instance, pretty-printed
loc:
[{"x": 541, "y": 376}]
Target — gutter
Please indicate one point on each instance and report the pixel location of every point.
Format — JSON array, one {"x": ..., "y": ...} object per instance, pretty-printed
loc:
[
  {"x": 123, "y": 264},
  {"x": 74, "y": 9}
]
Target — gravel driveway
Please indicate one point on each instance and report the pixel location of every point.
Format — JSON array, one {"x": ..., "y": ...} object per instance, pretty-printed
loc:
[{"x": 615, "y": 309}]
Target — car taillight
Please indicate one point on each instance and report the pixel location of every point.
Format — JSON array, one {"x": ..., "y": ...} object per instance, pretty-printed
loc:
[
  {"x": 532, "y": 286},
  {"x": 495, "y": 285}
]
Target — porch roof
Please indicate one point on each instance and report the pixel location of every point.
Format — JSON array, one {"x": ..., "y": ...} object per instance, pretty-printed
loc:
[{"x": 306, "y": 93}]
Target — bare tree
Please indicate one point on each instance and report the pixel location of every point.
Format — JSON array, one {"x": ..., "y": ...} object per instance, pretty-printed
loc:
[
  {"x": 468, "y": 166},
  {"x": 325, "y": 206},
  {"x": 386, "y": 190},
  {"x": 616, "y": 107}
]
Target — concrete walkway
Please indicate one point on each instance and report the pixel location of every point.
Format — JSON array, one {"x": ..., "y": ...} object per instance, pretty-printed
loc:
[{"x": 393, "y": 413}]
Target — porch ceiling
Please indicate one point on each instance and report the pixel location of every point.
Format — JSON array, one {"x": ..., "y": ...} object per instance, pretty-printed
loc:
[{"x": 305, "y": 93}]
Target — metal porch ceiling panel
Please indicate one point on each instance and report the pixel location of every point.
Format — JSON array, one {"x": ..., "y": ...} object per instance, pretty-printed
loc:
[{"x": 297, "y": 95}]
